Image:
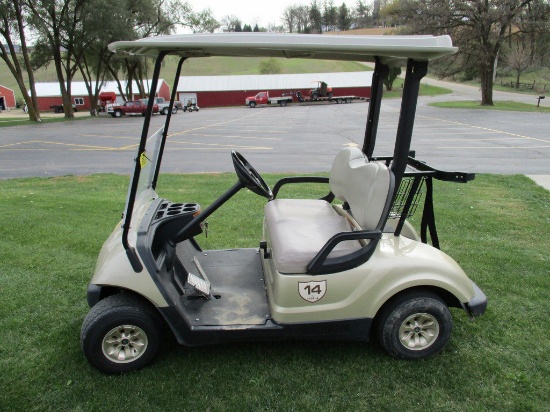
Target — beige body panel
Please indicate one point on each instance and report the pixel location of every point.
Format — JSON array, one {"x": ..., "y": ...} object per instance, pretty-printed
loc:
[
  {"x": 397, "y": 264},
  {"x": 113, "y": 267}
]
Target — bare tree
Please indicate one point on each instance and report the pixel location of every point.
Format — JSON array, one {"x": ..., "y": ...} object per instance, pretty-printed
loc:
[
  {"x": 12, "y": 30},
  {"x": 478, "y": 27},
  {"x": 519, "y": 58}
]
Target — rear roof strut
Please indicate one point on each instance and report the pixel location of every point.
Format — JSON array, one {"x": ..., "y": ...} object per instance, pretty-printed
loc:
[
  {"x": 416, "y": 70},
  {"x": 377, "y": 89}
]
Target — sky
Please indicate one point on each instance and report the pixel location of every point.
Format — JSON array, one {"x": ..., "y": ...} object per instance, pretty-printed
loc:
[{"x": 263, "y": 12}]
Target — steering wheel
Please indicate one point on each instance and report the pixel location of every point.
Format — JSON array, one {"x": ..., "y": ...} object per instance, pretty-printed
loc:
[{"x": 249, "y": 177}]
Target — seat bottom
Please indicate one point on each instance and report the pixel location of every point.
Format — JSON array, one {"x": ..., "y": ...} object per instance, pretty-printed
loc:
[{"x": 298, "y": 229}]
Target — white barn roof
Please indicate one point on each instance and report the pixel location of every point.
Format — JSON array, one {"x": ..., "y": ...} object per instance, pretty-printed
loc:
[
  {"x": 273, "y": 81},
  {"x": 79, "y": 88}
]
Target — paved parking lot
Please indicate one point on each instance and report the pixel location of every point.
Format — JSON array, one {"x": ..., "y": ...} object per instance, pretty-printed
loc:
[{"x": 274, "y": 139}]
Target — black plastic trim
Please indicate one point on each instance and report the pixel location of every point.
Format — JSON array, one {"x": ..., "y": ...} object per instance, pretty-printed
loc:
[
  {"x": 478, "y": 304},
  {"x": 302, "y": 179},
  {"x": 93, "y": 294},
  {"x": 322, "y": 265},
  {"x": 354, "y": 330}
]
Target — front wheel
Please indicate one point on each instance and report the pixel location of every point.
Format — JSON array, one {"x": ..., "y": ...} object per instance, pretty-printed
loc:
[
  {"x": 414, "y": 326},
  {"x": 118, "y": 113},
  {"x": 120, "y": 334},
  {"x": 283, "y": 103},
  {"x": 165, "y": 111},
  {"x": 252, "y": 104}
]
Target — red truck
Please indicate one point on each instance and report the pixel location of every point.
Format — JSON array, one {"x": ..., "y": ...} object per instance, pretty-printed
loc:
[
  {"x": 263, "y": 98},
  {"x": 131, "y": 107}
]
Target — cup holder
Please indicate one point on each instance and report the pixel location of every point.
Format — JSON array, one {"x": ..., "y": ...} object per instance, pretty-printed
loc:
[{"x": 182, "y": 208}]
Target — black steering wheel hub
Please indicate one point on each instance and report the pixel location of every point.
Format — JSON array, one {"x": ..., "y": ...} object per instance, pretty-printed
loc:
[{"x": 249, "y": 177}]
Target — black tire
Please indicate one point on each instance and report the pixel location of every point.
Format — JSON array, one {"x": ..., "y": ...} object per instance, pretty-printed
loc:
[
  {"x": 314, "y": 96},
  {"x": 123, "y": 325},
  {"x": 174, "y": 110},
  {"x": 165, "y": 111},
  {"x": 414, "y": 325},
  {"x": 118, "y": 113},
  {"x": 252, "y": 104},
  {"x": 329, "y": 95},
  {"x": 283, "y": 103},
  {"x": 348, "y": 100}
]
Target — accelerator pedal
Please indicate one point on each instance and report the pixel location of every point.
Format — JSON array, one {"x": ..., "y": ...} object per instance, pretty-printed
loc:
[{"x": 200, "y": 284}]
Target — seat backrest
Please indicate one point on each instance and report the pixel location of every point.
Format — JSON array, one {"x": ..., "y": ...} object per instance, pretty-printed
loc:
[{"x": 362, "y": 184}]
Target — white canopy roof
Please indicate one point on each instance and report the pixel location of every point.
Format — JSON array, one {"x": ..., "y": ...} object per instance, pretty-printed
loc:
[{"x": 391, "y": 50}]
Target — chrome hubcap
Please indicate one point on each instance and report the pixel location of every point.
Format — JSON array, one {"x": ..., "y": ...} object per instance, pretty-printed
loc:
[
  {"x": 124, "y": 344},
  {"x": 419, "y": 331}
]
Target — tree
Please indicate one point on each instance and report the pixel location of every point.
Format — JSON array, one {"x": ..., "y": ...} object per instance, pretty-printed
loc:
[
  {"x": 330, "y": 15},
  {"x": 59, "y": 27},
  {"x": 315, "y": 17},
  {"x": 230, "y": 23},
  {"x": 519, "y": 58},
  {"x": 393, "y": 74},
  {"x": 289, "y": 18},
  {"x": 270, "y": 66},
  {"x": 202, "y": 21},
  {"x": 478, "y": 27},
  {"x": 344, "y": 17},
  {"x": 13, "y": 22},
  {"x": 361, "y": 14}
]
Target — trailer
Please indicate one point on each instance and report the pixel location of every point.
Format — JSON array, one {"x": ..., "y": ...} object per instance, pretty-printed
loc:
[{"x": 330, "y": 99}]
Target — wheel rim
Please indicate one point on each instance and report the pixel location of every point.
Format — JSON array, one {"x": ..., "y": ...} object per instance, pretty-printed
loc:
[
  {"x": 419, "y": 331},
  {"x": 124, "y": 344}
]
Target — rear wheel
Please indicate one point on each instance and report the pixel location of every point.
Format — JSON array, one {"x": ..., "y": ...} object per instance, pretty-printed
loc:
[
  {"x": 121, "y": 333},
  {"x": 283, "y": 103},
  {"x": 414, "y": 326},
  {"x": 165, "y": 111}
]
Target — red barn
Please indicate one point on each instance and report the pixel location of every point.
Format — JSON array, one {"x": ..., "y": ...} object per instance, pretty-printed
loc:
[
  {"x": 207, "y": 91},
  {"x": 49, "y": 94},
  {"x": 7, "y": 98}
]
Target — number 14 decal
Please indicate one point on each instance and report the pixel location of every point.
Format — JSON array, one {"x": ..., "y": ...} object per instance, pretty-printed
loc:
[{"x": 312, "y": 291}]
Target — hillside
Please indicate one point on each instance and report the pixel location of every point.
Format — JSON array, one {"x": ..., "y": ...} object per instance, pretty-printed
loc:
[{"x": 208, "y": 66}]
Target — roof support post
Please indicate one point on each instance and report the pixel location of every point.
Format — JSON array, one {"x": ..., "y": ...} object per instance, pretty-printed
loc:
[
  {"x": 377, "y": 89},
  {"x": 416, "y": 70},
  {"x": 131, "y": 252},
  {"x": 168, "y": 117}
]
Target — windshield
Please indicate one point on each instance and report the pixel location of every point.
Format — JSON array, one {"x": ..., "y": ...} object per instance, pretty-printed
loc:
[{"x": 148, "y": 164}]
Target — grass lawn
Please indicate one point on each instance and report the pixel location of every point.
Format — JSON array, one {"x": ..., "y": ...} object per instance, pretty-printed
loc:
[
  {"x": 499, "y": 105},
  {"x": 425, "y": 90},
  {"x": 24, "y": 120},
  {"x": 496, "y": 227}
]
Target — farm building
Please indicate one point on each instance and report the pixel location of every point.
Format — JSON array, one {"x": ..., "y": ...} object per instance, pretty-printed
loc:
[
  {"x": 7, "y": 98},
  {"x": 212, "y": 91},
  {"x": 207, "y": 91},
  {"x": 49, "y": 94}
]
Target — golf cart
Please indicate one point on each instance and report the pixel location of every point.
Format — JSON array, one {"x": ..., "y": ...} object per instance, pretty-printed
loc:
[{"x": 348, "y": 266}]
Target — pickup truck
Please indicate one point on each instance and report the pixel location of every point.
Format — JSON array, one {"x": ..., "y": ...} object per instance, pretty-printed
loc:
[
  {"x": 263, "y": 98},
  {"x": 131, "y": 107},
  {"x": 164, "y": 105}
]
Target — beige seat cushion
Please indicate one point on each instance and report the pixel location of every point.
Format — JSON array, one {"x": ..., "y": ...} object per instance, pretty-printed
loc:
[{"x": 298, "y": 229}]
